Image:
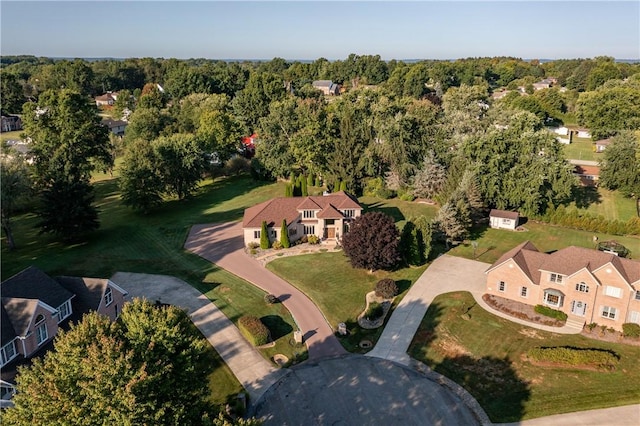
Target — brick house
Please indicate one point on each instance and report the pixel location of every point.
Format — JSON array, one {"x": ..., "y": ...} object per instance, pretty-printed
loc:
[
  {"x": 35, "y": 306},
  {"x": 590, "y": 286},
  {"x": 327, "y": 217}
]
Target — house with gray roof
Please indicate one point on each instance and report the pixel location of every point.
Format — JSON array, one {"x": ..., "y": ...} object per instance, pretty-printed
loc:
[
  {"x": 35, "y": 306},
  {"x": 327, "y": 87}
]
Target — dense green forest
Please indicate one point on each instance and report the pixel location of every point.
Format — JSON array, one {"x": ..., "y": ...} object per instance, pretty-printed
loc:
[{"x": 469, "y": 134}]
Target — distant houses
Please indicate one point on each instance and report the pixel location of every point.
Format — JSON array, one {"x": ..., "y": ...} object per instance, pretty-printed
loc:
[
  {"x": 107, "y": 99},
  {"x": 327, "y": 87},
  {"x": 115, "y": 126}
]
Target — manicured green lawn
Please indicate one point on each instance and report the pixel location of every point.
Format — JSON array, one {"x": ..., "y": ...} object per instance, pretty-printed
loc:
[
  {"x": 493, "y": 243},
  {"x": 610, "y": 204},
  {"x": 581, "y": 149},
  {"x": 338, "y": 289},
  {"x": 7, "y": 136},
  {"x": 236, "y": 298},
  {"x": 484, "y": 354},
  {"x": 127, "y": 241},
  {"x": 400, "y": 210}
]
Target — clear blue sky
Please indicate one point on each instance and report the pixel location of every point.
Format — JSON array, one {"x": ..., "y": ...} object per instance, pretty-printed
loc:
[{"x": 309, "y": 30}]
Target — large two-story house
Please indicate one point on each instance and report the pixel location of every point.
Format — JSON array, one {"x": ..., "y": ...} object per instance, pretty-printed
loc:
[
  {"x": 328, "y": 217},
  {"x": 35, "y": 306},
  {"x": 590, "y": 286}
]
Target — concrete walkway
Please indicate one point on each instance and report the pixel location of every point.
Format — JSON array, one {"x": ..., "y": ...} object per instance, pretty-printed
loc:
[
  {"x": 223, "y": 244},
  {"x": 254, "y": 373},
  {"x": 628, "y": 415}
]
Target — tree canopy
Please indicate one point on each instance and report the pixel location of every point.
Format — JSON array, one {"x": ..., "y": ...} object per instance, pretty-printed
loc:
[
  {"x": 147, "y": 368},
  {"x": 372, "y": 242}
]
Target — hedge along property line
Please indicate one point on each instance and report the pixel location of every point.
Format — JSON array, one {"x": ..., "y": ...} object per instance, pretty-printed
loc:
[
  {"x": 570, "y": 356},
  {"x": 254, "y": 330},
  {"x": 552, "y": 313}
]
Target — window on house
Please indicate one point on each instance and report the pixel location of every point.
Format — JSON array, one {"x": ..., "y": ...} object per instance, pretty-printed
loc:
[
  {"x": 308, "y": 230},
  {"x": 556, "y": 278},
  {"x": 523, "y": 291},
  {"x": 609, "y": 312},
  {"x": 349, "y": 213},
  {"x": 308, "y": 214},
  {"x": 634, "y": 316},
  {"x": 256, "y": 234},
  {"x": 108, "y": 297},
  {"x": 638, "y": 295},
  {"x": 553, "y": 298},
  {"x": 41, "y": 330},
  {"x": 582, "y": 287},
  {"x": 502, "y": 286},
  {"x": 613, "y": 291},
  {"x": 64, "y": 310},
  {"x": 293, "y": 231},
  {"x": 8, "y": 352},
  {"x": 506, "y": 221}
]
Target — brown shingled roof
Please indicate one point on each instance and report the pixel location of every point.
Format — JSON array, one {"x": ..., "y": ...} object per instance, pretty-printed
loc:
[
  {"x": 330, "y": 212},
  {"x": 504, "y": 214},
  {"x": 528, "y": 245},
  {"x": 276, "y": 209}
]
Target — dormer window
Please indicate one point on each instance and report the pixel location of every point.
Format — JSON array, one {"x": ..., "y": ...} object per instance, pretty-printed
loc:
[
  {"x": 108, "y": 297},
  {"x": 349, "y": 213},
  {"x": 41, "y": 330},
  {"x": 556, "y": 278},
  {"x": 308, "y": 214}
]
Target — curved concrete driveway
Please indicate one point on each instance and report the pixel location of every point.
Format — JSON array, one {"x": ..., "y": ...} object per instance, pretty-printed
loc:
[
  {"x": 254, "y": 373},
  {"x": 223, "y": 244}
]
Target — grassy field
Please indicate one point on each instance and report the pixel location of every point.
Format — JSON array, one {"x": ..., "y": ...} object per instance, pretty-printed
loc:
[
  {"x": 493, "y": 243},
  {"x": 235, "y": 298},
  {"x": 485, "y": 355},
  {"x": 7, "y": 136},
  {"x": 581, "y": 149},
  {"x": 400, "y": 210},
  {"x": 338, "y": 289},
  {"x": 130, "y": 242},
  {"x": 610, "y": 204}
]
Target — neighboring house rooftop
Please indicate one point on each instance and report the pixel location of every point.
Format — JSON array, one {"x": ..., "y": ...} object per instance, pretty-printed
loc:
[
  {"x": 322, "y": 83},
  {"x": 504, "y": 214},
  {"x": 34, "y": 284},
  {"x": 276, "y": 209}
]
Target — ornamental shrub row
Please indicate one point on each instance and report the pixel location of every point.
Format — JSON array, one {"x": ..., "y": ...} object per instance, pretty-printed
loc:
[
  {"x": 572, "y": 218},
  {"x": 575, "y": 356},
  {"x": 552, "y": 313},
  {"x": 254, "y": 330}
]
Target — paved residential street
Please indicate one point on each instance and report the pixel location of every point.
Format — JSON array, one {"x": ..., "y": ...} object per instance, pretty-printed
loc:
[{"x": 223, "y": 244}]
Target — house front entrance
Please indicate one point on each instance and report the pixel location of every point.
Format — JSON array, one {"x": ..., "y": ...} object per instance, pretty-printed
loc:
[
  {"x": 578, "y": 308},
  {"x": 331, "y": 233}
]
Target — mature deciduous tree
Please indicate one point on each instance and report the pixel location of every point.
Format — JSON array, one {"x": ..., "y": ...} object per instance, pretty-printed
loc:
[
  {"x": 140, "y": 180},
  {"x": 253, "y": 101},
  {"x": 147, "y": 368},
  {"x": 611, "y": 108},
  {"x": 11, "y": 94},
  {"x": 372, "y": 242},
  {"x": 621, "y": 165},
  {"x": 181, "y": 163}
]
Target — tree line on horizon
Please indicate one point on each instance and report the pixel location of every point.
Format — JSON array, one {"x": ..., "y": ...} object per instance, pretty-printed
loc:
[{"x": 424, "y": 130}]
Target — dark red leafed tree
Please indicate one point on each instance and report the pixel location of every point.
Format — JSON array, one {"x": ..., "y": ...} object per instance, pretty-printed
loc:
[{"x": 372, "y": 242}]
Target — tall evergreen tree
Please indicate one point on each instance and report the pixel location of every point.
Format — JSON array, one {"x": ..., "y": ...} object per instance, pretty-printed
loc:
[
  {"x": 284, "y": 235},
  {"x": 68, "y": 141},
  {"x": 265, "y": 243}
]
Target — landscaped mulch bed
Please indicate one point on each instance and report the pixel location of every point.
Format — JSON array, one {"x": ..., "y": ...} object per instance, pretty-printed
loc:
[{"x": 519, "y": 310}]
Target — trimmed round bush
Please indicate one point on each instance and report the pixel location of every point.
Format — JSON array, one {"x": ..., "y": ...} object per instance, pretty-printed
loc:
[
  {"x": 270, "y": 299},
  {"x": 254, "y": 330},
  {"x": 386, "y": 288},
  {"x": 630, "y": 329}
]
